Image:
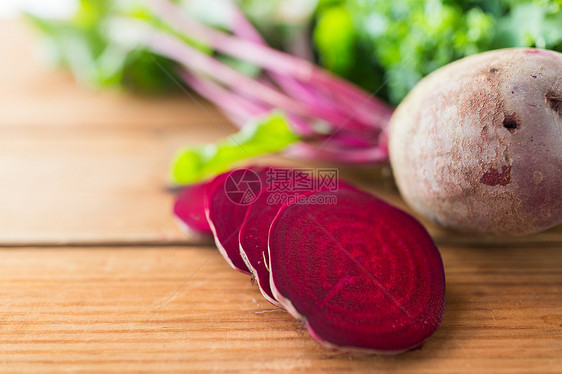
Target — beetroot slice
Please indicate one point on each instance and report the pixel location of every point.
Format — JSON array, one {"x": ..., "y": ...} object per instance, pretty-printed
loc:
[
  {"x": 228, "y": 197},
  {"x": 254, "y": 234},
  {"x": 189, "y": 210},
  {"x": 253, "y": 241},
  {"x": 362, "y": 275}
]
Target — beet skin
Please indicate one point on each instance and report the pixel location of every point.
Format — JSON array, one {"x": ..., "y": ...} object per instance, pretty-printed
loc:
[{"x": 477, "y": 145}]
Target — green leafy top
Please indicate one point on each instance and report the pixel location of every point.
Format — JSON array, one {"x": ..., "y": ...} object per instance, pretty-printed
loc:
[
  {"x": 263, "y": 136},
  {"x": 82, "y": 44},
  {"x": 404, "y": 40},
  {"x": 385, "y": 46}
]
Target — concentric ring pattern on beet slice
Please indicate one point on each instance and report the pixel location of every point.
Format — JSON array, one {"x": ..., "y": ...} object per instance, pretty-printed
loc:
[
  {"x": 228, "y": 197},
  {"x": 189, "y": 210},
  {"x": 362, "y": 274},
  {"x": 255, "y": 229}
]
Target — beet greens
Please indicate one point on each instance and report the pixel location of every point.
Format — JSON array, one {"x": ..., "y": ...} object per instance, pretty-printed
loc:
[{"x": 324, "y": 117}]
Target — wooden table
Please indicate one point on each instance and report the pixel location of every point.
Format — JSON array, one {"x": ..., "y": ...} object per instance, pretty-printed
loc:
[{"x": 95, "y": 276}]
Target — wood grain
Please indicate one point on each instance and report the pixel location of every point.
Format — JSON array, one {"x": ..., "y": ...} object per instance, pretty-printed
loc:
[
  {"x": 185, "y": 310},
  {"x": 97, "y": 161},
  {"x": 96, "y": 277}
]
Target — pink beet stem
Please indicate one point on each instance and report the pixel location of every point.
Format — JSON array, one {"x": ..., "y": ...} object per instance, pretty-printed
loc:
[
  {"x": 224, "y": 98},
  {"x": 271, "y": 59},
  {"x": 242, "y": 27},
  {"x": 373, "y": 155},
  {"x": 194, "y": 59}
]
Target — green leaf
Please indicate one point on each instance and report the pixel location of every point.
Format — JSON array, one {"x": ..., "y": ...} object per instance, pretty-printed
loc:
[
  {"x": 531, "y": 25},
  {"x": 401, "y": 41},
  {"x": 85, "y": 46},
  {"x": 335, "y": 39},
  {"x": 270, "y": 135}
]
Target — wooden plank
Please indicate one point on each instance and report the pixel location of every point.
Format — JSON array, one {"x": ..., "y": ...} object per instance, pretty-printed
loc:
[
  {"x": 84, "y": 166},
  {"x": 184, "y": 310},
  {"x": 96, "y": 184},
  {"x": 80, "y": 166},
  {"x": 92, "y": 184}
]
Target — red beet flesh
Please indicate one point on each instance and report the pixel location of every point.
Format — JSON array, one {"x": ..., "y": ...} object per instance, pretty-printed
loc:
[
  {"x": 189, "y": 210},
  {"x": 254, "y": 234},
  {"x": 253, "y": 240},
  {"x": 229, "y": 196},
  {"x": 362, "y": 274}
]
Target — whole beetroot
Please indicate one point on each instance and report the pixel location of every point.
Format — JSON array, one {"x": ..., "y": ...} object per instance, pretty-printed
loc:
[{"x": 477, "y": 145}]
